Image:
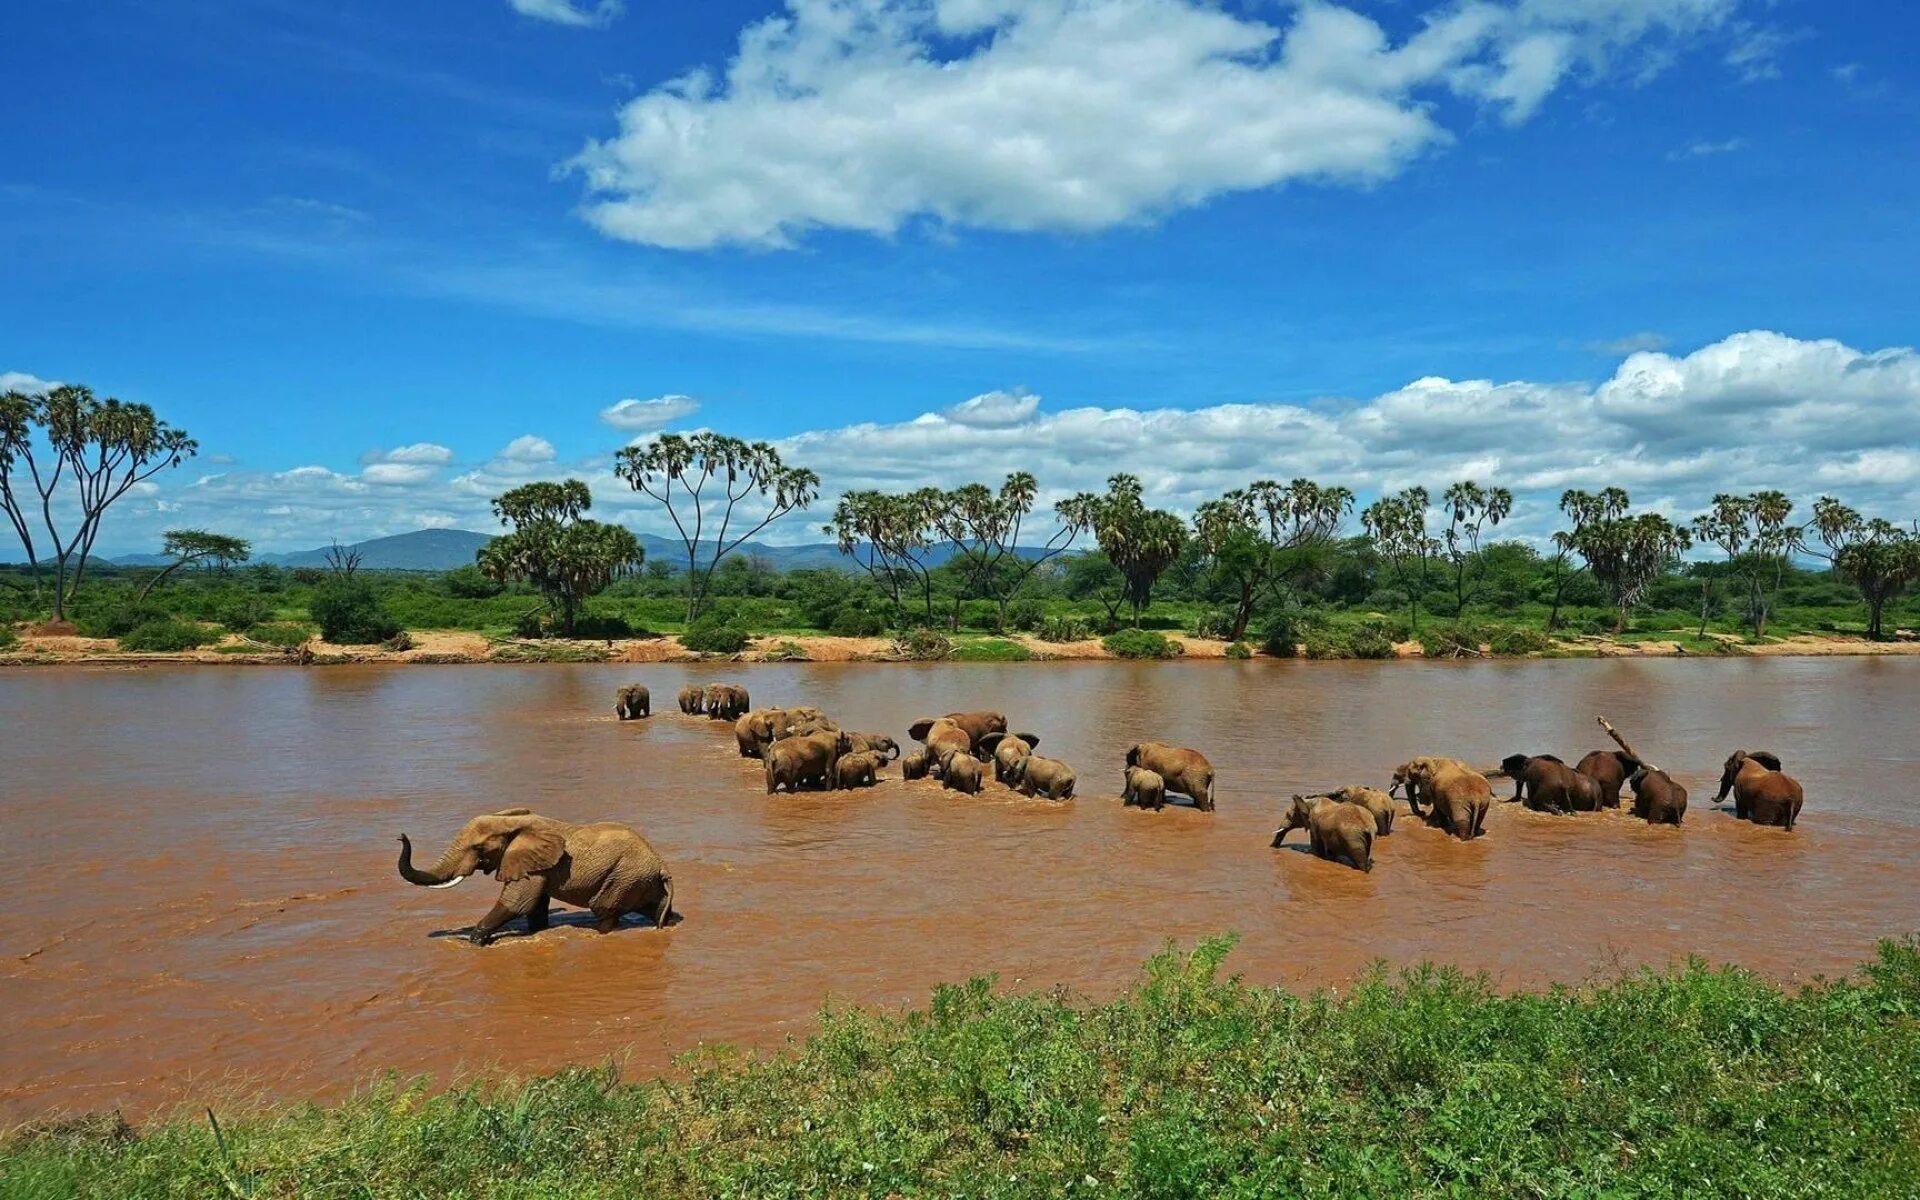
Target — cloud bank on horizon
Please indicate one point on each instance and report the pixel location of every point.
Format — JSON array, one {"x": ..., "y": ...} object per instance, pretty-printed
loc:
[
  {"x": 1082, "y": 115},
  {"x": 1755, "y": 410}
]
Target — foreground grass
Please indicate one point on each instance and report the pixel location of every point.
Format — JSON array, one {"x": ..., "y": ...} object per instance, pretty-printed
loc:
[{"x": 1694, "y": 1082}]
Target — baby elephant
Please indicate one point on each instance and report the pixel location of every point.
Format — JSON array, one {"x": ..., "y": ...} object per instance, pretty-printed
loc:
[
  {"x": 1658, "y": 799},
  {"x": 962, "y": 772},
  {"x": 632, "y": 702},
  {"x": 1143, "y": 788},
  {"x": 1335, "y": 829},
  {"x": 859, "y": 769},
  {"x": 1373, "y": 800},
  {"x": 917, "y": 764},
  {"x": 1034, "y": 774}
]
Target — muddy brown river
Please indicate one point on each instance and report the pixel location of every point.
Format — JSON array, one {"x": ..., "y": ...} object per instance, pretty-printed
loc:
[{"x": 205, "y": 898}]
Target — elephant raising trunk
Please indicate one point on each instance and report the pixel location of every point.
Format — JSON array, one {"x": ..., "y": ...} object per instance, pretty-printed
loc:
[{"x": 443, "y": 874}]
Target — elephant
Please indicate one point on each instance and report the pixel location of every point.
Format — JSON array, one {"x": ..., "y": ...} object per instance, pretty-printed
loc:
[
  {"x": 859, "y": 768},
  {"x": 1658, "y": 798},
  {"x": 978, "y": 725},
  {"x": 1610, "y": 769},
  {"x": 886, "y": 747},
  {"x": 1375, "y": 801},
  {"x": 1007, "y": 749},
  {"x": 725, "y": 701},
  {"x": 962, "y": 772},
  {"x": 917, "y": 764},
  {"x": 632, "y": 702},
  {"x": 1762, "y": 792},
  {"x": 1185, "y": 771},
  {"x": 1144, "y": 788},
  {"x": 605, "y": 868},
  {"x": 941, "y": 736},
  {"x": 1546, "y": 784},
  {"x": 1457, "y": 795},
  {"x": 1034, "y": 774},
  {"x": 1335, "y": 829},
  {"x": 803, "y": 759},
  {"x": 756, "y": 730},
  {"x": 692, "y": 697}
]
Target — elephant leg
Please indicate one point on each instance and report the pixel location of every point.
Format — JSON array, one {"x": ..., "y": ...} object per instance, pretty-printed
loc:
[
  {"x": 540, "y": 916},
  {"x": 609, "y": 920}
]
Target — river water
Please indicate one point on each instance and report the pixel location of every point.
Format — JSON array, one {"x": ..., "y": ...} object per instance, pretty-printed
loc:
[{"x": 205, "y": 897}]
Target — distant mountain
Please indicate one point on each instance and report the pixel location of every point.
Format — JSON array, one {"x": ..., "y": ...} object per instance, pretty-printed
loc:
[{"x": 445, "y": 549}]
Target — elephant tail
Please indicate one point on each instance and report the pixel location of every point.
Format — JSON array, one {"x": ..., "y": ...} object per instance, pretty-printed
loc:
[
  {"x": 766, "y": 764},
  {"x": 1366, "y": 848},
  {"x": 664, "y": 913}
]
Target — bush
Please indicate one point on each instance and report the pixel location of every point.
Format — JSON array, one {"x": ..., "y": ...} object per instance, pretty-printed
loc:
[
  {"x": 121, "y": 619},
  {"x": 283, "y": 633},
  {"x": 1141, "y": 643},
  {"x": 1450, "y": 639},
  {"x": 1026, "y": 615},
  {"x": 922, "y": 645},
  {"x": 851, "y": 621},
  {"x": 242, "y": 612},
  {"x": 1516, "y": 640},
  {"x": 166, "y": 635},
  {"x": 1239, "y": 650},
  {"x": 467, "y": 583},
  {"x": 601, "y": 625},
  {"x": 1064, "y": 629},
  {"x": 349, "y": 614},
  {"x": 1217, "y": 625},
  {"x": 8, "y": 638},
  {"x": 531, "y": 624},
  {"x": 1284, "y": 633},
  {"x": 715, "y": 635},
  {"x": 990, "y": 650},
  {"x": 1324, "y": 643},
  {"x": 1373, "y": 639}
]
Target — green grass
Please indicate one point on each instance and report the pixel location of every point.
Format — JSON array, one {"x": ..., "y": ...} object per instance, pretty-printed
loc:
[
  {"x": 989, "y": 650},
  {"x": 1693, "y": 1082}
]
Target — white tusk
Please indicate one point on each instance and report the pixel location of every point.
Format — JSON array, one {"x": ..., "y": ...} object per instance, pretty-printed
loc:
[{"x": 449, "y": 883}]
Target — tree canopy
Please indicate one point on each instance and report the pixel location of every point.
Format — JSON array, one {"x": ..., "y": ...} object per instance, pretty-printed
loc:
[{"x": 564, "y": 556}]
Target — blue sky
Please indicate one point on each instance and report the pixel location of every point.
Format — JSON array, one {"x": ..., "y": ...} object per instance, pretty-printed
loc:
[{"x": 385, "y": 259}]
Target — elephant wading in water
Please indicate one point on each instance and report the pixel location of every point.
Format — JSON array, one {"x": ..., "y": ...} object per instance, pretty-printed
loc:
[
  {"x": 1335, "y": 829},
  {"x": 1762, "y": 792},
  {"x": 1610, "y": 769},
  {"x": 725, "y": 701},
  {"x": 803, "y": 760},
  {"x": 1546, "y": 784},
  {"x": 860, "y": 768},
  {"x": 962, "y": 772},
  {"x": 632, "y": 702},
  {"x": 753, "y": 732},
  {"x": 1185, "y": 771},
  {"x": 1049, "y": 776},
  {"x": 942, "y": 737},
  {"x": 1139, "y": 786},
  {"x": 879, "y": 743},
  {"x": 1377, "y": 803},
  {"x": 1658, "y": 798},
  {"x": 917, "y": 764},
  {"x": 1457, "y": 796},
  {"x": 605, "y": 868},
  {"x": 1007, "y": 750},
  {"x": 692, "y": 698}
]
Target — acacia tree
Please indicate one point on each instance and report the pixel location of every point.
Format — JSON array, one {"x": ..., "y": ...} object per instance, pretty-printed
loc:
[
  {"x": 678, "y": 471},
  {"x": 1876, "y": 556},
  {"x": 1398, "y": 526},
  {"x": 1471, "y": 508},
  {"x": 889, "y": 536},
  {"x": 1754, "y": 533},
  {"x": 1140, "y": 542},
  {"x": 188, "y": 546},
  {"x": 95, "y": 451},
  {"x": 984, "y": 527},
  {"x": 566, "y": 557},
  {"x": 1266, "y": 536},
  {"x": 1582, "y": 509},
  {"x": 1626, "y": 554}
]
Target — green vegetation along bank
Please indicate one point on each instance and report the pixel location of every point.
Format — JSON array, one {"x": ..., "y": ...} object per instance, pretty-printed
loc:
[{"x": 1691, "y": 1082}]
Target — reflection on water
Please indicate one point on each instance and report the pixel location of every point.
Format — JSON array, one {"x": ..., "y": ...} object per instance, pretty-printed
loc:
[{"x": 207, "y": 855}]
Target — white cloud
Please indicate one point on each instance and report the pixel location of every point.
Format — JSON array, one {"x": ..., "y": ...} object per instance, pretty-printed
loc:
[
  {"x": 994, "y": 409},
  {"x": 20, "y": 381},
  {"x": 399, "y": 472},
  {"x": 416, "y": 463},
  {"x": 1707, "y": 149},
  {"x": 528, "y": 449},
  {"x": 658, "y": 413},
  {"x": 1633, "y": 342},
  {"x": 1076, "y": 115},
  {"x": 568, "y": 12},
  {"x": 429, "y": 453}
]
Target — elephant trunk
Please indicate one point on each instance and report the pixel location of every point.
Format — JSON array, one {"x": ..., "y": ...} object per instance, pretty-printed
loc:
[
  {"x": 440, "y": 875},
  {"x": 1726, "y": 784}
]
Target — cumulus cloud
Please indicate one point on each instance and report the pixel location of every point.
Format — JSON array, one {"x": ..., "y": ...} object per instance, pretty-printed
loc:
[
  {"x": 20, "y": 381},
  {"x": 995, "y": 409},
  {"x": 1632, "y": 343},
  {"x": 1077, "y": 115},
  {"x": 1707, "y": 149},
  {"x": 423, "y": 453},
  {"x": 568, "y": 12},
  {"x": 658, "y": 413},
  {"x": 528, "y": 449}
]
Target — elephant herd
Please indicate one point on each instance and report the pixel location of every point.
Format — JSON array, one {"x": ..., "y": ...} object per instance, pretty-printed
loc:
[{"x": 611, "y": 870}]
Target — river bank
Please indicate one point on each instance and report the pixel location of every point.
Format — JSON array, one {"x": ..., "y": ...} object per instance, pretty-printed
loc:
[{"x": 459, "y": 647}]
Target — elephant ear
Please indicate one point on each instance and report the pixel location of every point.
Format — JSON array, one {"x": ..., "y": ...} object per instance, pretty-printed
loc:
[
  {"x": 1133, "y": 755},
  {"x": 991, "y": 742},
  {"x": 1765, "y": 758},
  {"x": 919, "y": 729},
  {"x": 534, "y": 849},
  {"x": 1031, "y": 739},
  {"x": 513, "y": 812}
]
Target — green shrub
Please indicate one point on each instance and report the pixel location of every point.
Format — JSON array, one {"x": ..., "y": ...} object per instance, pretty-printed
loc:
[
  {"x": 1323, "y": 642},
  {"x": 990, "y": 650},
  {"x": 467, "y": 583},
  {"x": 1373, "y": 639},
  {"x": 1067, "y": 628},
  {"x": 1517, "y": 640},
  {"x": 1450, "y": 639},
  {"x": 1239, "y": 650},
  {"x": 1217, "y": 625},
  {"x": 1283, "y": 635},
  {"x": 922, "y": 645},
  {"x": 242, "y": 612},
  {"x": 1026, "y": 615},
  {"x": 120, "y": 619},
  {"x": 166, "y": 636},
  {"x": 1141, "y": 643},
  {"x": 851, "y": 621},
  {"x": 713, "y": 634},
  {"x": 8, "y": 638},
  {"x": 280, "y": 633},
  {"x": 602, "y": 625},
  {"x": 349, "y": 613}
]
